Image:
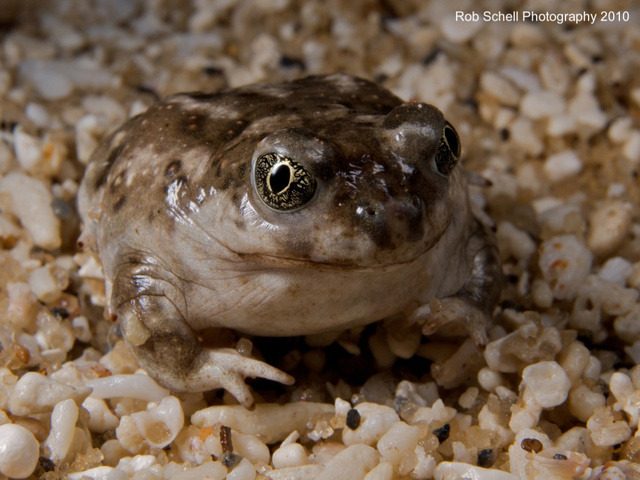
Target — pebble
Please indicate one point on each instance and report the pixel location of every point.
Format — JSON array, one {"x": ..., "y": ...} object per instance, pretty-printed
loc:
[
  {"x": 270, "y": 422},
  {"x": 243, "y": 471},
  {"x": 31, "y": 203},
  {"x": 28, "y": 150},
  {"x": 500, "y": 88},
  {"x": 291, "y": 455},
  {"x": 49, "y": 81},
  {"x": 135, "y": 385},
  {"x": 562, "y": 166},
  {"x": 19, "y": 451},
  {"x": 160, "y": 423},
  {"x": 631, "y": 148},
  {"x": 616, "y": 270},
  {"x": 605, "y": 430},
  {"x": 450, "y": 470},
  {"x": 620, "y": 129},
  {"x": 565, "y": 263},
  {"x": 375, "y": 420},
  {"x": 96, "y": 473},
  {"x": 397, "y": 445},
  {"x": 63, "y": 426},
  {"x": 513, "y": 241},
  {"x": 34, "y": 393},
  {"x": 635, "y": 96},
  {"x": 548, "y": 383},
  {"x": 38, "y": 114},
  {"x": 353, "y": 463},
  {"x": 101, "y": 418},
  {"x": 626, "y": 394},
  {"x": 45, "y": 284},
  {"x": 608, "y": 227},
  {"x": 458, "y": 32},
  {"x": 524, "y": 135},
  {"x": 583, "y": 402},
  {"x": 541, "y": 104},
  {"x": 560, "y": 125},
  {"x": 303, "y": 472},
  {"x": 585, "y": 110}
]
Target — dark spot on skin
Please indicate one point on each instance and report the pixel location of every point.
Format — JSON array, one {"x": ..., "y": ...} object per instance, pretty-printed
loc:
[
  {"x": 117, "y": 206},
  {"x": 173, "y": 168},
  {"x": 240, "y": 225},
  {"x": 559, "y": 456},
  {"x": 353, "y": 419},
  {"x": 442, "y": 433}
]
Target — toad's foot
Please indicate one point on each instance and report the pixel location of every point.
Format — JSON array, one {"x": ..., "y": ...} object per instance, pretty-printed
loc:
[
  {"x": 226, "y": 368},
  {"x": 454, "y": 311}
]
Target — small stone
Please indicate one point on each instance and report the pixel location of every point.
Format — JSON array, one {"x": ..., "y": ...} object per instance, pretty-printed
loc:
[
  {"x": 48, "y": 80},
  {"x": 631, "y": 148},
  {"x": 616, "y": 270},
  {"x": 19, "y": 451},
  {"x": 28, "y": 150},
  {"x": 547, "y": 382},
  {"x": 525, "y": 137},
  {"x": 542, "y": 104},
  {"x": 565, "y": 263},
  {"x": 586, "y": 111},
  {"x": 31, "y": 203},
  {"x": 608, "y": 227},
  {"x": 500, "y": 88},
  {"x": 458, "y": 31},
  {"x": 635, "y": 95},
  {"x": 620, "y": 129},
  {"x": 560, "y": 125},
  {"x": 562, "y": 166}
]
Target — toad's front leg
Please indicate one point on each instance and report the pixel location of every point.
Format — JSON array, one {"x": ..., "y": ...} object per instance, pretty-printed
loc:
[
  {"x": 152, "y": 312},
  {"x": 471, "y": 306}
]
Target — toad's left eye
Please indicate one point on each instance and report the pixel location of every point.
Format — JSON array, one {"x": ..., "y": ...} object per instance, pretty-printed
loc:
[
  {"x": 281, "y": 183},
  {"x": 448, "y": 152}
]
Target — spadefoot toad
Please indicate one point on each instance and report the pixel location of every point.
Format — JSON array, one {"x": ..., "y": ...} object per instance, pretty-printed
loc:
[{"x": 277, "y": 210}]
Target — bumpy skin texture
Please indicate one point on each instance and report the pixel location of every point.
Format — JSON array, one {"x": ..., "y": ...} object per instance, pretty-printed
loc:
[{"x": 170, "y": 203}]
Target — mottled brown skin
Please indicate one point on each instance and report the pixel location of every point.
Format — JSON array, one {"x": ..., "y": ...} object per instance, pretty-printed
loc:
[{"x": 171, "y": 204}]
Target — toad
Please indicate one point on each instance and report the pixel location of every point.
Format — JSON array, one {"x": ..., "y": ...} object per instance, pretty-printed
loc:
[{"x": 282, "y": 209}]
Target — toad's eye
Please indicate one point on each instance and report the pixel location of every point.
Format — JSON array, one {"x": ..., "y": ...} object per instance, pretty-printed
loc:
[
  {"x": 448, "y": 152},
  {"x": 281, "y": 183}
]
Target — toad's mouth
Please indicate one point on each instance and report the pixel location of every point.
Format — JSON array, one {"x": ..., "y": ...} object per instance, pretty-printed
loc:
[{"x": 284, "y": 262}]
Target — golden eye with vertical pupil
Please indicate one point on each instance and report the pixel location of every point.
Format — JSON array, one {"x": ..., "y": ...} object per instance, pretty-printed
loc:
[
  {"x": 281, "y": 183},
  {"x": 448, "y": 152}
]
